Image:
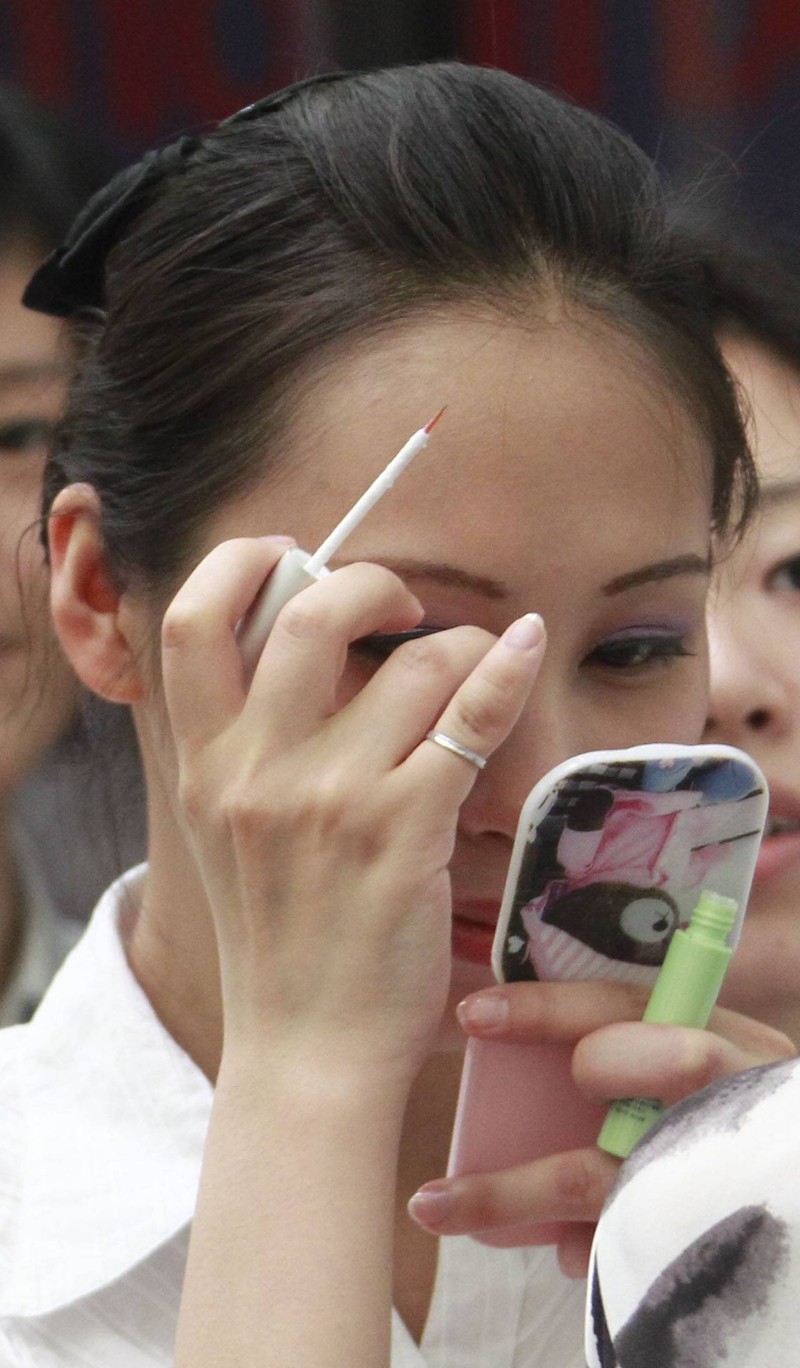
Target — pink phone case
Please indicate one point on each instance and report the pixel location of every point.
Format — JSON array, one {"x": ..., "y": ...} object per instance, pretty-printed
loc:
[{"x": 612, "y": 851}]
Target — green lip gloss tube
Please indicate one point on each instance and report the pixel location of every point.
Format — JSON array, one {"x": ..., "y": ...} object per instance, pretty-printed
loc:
[{"x": 683, "y": 995}]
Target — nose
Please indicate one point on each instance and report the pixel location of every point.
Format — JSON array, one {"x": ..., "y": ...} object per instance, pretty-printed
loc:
[
  {"x": 749, "y": 695},
  {"x": 541, "y": 739}
]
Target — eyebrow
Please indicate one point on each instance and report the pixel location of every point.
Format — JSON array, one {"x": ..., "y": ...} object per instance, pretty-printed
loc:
[
  {"x": 660, "y": 570},
  {"x": 449, "y": 576},
  {"x": 452, "y": 577},
  {"x": 779, "y": 492}
]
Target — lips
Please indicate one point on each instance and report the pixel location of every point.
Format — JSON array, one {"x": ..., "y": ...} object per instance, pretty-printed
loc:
[
  {"x": 780, "y": 848},
  {"x": 474, "y": 924}
]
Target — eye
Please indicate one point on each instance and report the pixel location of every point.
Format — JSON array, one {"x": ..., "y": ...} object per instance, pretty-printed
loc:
[
  {"x": 637, "y": 650},
  {"x": 379, "y": 645},
  {"x": 25, "y": 434},
  {"x": 785, "y": 578}
]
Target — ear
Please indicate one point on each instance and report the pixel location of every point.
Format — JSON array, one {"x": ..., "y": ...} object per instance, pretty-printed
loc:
[{"x": 90, "y": 614}]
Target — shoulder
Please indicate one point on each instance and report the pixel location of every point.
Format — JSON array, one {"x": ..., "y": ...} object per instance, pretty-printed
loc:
[{"x": 103, "y": 1132}]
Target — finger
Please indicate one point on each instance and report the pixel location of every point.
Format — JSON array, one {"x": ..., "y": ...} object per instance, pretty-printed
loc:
[
  {"x": 396, "y": 707},
  {"x": 762, "y": 1042},
  {"x": 529, "y": 1013},
  {"x": 647, "y": 1059},
  {"x": 570, "y": 1186},
  {"x": 297, "y": 677},
  {"x": 575, "y": 1250},
  {"x": 201, "y": 662},
  {"x": 482, "y": 711}
]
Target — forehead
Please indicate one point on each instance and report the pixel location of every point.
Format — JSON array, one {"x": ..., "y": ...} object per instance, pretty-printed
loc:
[
  {"x": 533, "y": 411},
  {"x": 561, "y": 450},
  {"x": 27, "y": 339}
]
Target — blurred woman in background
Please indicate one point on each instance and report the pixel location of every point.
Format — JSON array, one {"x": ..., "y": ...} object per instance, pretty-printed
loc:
[
  {"x": 46, "y": 880},
  {"x": 697, "y": 1255}
]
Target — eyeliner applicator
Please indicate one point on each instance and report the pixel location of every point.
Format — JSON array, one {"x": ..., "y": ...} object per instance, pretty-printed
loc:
[{"x": 297, "y": 569}]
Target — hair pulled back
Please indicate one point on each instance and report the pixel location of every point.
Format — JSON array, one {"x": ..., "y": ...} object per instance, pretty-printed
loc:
[{"x": 346, "y": 208}]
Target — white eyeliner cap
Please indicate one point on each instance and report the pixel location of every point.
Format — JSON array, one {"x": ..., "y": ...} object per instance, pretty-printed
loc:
[{"x": 288, "y": 578}]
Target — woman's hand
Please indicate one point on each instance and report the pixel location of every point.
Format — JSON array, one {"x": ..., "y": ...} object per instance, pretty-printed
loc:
[
  {"x": 615, "y": 1055},
  {"x": 322, "y": 821}
]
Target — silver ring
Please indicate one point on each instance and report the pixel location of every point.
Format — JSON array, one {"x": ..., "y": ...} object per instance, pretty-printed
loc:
[{"x": 447, "y": 743}]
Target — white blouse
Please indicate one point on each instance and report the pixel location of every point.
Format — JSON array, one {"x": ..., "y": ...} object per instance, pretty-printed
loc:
[{"x": 102, "y": 1124}]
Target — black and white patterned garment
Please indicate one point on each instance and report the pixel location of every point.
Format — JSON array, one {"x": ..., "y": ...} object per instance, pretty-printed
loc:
[{"x": 696, "y": 1262}]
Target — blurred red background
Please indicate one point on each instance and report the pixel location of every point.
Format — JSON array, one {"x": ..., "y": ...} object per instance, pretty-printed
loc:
[{"x": 698, "y": 83}]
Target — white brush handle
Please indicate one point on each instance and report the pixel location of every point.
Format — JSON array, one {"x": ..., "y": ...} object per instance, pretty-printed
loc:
[{"x": 287, "y": 579}]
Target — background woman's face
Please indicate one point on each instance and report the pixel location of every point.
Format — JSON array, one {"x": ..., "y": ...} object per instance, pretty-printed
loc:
[
  {"x": 37, "y": 692},
  {"x": 562, "y": 479},
  {"x": 754, "y": 625}
]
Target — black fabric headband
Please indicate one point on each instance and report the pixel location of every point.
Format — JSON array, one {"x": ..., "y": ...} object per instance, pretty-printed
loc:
[{"x": 72, "y": 279}]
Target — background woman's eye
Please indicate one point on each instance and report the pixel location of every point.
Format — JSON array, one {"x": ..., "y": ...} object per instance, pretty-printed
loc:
[
  {"x": 786, "y": 576},
  {"x": 637, "y": 652},
  {"x": 25, "y": 434}
]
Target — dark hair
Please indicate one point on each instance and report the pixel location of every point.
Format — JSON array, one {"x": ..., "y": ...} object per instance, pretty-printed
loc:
[
  {"x": 752, "y": 279},
  {"x": 47, "y": 171},
  {"x": 344, "y": 208}
]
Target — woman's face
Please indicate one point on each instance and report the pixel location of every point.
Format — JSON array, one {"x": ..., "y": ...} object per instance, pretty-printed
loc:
[
  {"x": 754, "y": 624},
  {"x": 561, "y": 479},
  {"x": 37, "y": 690}
]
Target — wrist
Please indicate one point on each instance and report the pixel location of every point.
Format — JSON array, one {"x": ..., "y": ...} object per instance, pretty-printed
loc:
[{"x": 312, "y": 1083}]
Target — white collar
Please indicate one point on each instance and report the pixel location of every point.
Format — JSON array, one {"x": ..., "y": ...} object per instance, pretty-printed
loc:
[
  {"x": 101, "y": 1140},
  {"x": 102, "y": 1130}
]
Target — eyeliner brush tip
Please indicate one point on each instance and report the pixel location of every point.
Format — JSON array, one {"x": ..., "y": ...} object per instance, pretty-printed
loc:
[{"x": 432, "y": 424}]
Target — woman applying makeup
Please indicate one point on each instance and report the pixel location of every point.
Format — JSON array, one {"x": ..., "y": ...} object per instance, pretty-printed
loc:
[{"x": 271, "y": 310}]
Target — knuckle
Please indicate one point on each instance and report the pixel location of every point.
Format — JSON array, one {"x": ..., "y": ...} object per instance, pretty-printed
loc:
[
  {"x": 700, "y": 1058},
  {"x": 477, "y": 1205},
  {"x": 179, "y": 625},
  {"x": 483, "y": 710},
  {"x": 774, "y": 1045},
  {"x": 329, "y": 806},
  {"x": 581, "y": 1181},
  {"x": 425, "y": 655},
  {"x": 304, "y": 618}
]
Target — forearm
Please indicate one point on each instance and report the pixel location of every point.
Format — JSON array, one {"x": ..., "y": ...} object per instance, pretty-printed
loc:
[{"x": 290, "y": 1258}]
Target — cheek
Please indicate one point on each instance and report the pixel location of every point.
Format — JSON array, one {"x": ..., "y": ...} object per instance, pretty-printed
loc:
[
  {"x": 678, "y": 707},
  {"x": 673, "y": 708}
]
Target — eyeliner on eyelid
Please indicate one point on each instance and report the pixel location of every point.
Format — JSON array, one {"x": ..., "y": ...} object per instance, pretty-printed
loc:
[{"x": 387, "y": 642}]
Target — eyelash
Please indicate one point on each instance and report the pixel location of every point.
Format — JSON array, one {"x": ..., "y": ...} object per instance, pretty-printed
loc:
[
  {"x": 380, "y": 645},
  {"x": 791, "y": 568},
  {"x": 654, "y": 649},
  {"x": 638, "y": 652}
]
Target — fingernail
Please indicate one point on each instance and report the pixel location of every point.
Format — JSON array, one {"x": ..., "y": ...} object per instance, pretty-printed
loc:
[
  {"x": 483, "y": 1013},
  {"x": 282, "y": 541},
  {"x": 525, "y": 633},
  {"x": 430, "y": 1205}
]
